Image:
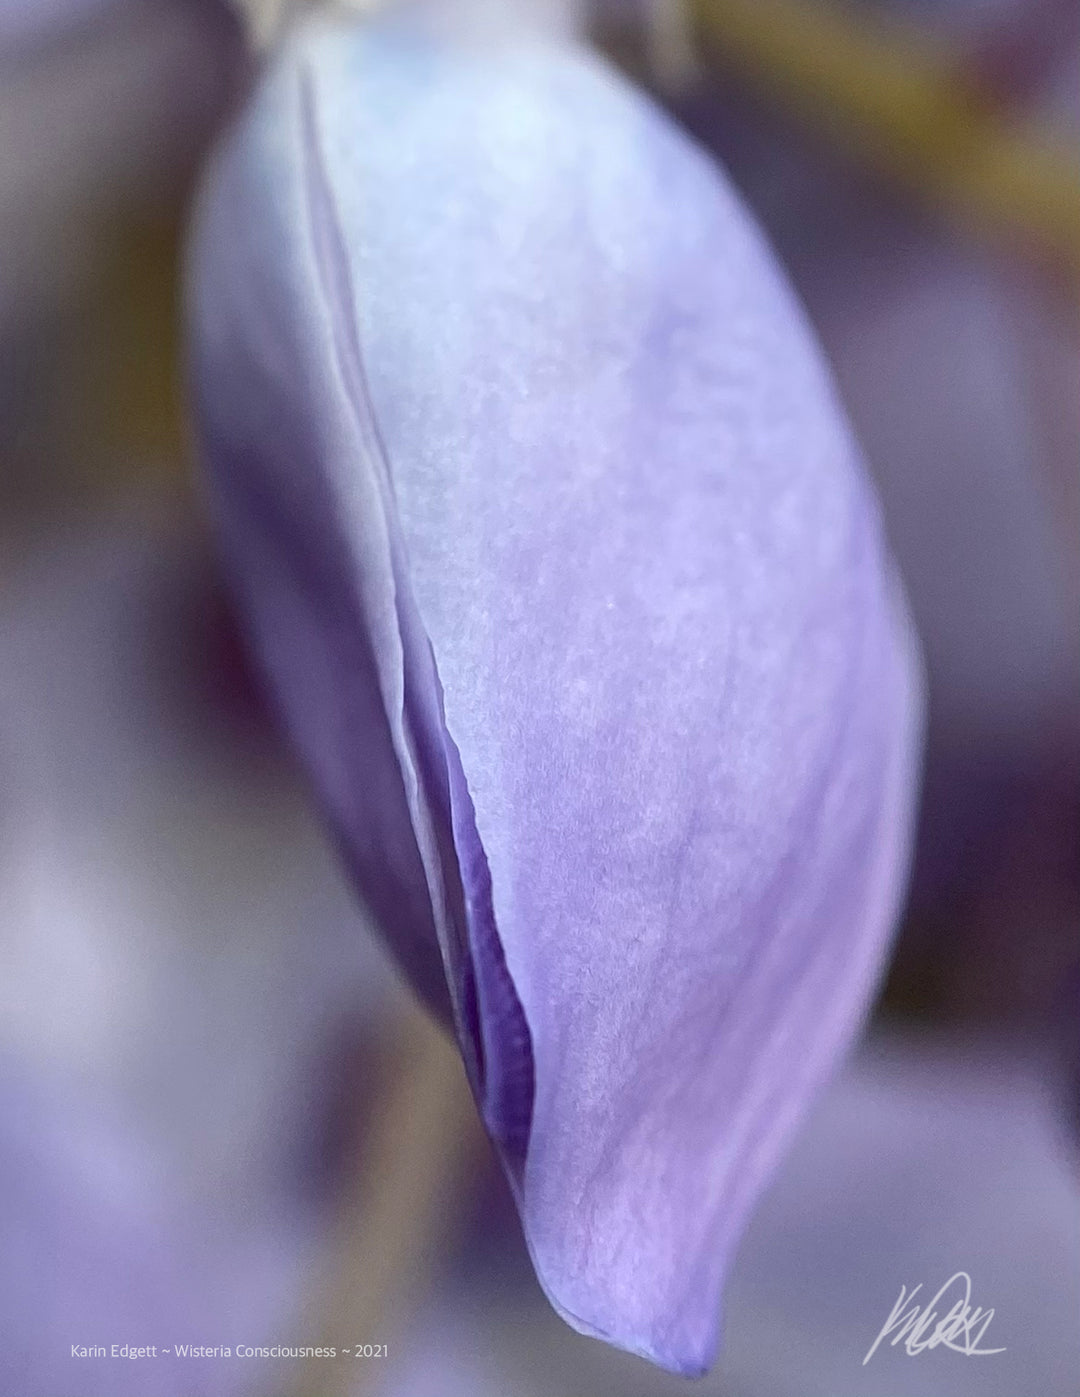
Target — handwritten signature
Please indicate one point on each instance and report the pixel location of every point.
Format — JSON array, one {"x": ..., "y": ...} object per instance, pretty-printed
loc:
[{"x": 960, "y": 1329}]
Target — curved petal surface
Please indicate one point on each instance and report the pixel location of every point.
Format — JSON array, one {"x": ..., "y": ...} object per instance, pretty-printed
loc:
[{"x": 575, "y": 599}]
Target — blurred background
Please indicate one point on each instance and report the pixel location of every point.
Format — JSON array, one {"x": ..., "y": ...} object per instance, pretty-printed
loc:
[{"x": 222, "y": 1121}]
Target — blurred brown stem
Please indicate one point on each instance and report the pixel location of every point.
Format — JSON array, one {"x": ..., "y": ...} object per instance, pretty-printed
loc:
[{"x": 907, "y": 110}]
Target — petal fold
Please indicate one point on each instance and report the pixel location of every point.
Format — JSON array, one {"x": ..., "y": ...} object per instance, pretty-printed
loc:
[{"x": 575, "y": 600}]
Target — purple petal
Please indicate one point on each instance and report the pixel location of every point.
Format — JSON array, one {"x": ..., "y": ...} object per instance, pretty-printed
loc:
[
  {"x": 926, "y": 1155},
  {"x": 575, "y": 600}
]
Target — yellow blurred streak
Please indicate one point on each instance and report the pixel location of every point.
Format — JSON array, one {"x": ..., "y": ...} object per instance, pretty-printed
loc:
[
  {"x": 129, "y": 401},
  {"x": 100, "y": 409},
  {"x": 417, "y": 1158},
  {"x": 899, "y": 105}
]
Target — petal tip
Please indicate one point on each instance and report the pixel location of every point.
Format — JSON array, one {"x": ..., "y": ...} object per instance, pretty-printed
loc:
[{"x": 682, "y": 1339}]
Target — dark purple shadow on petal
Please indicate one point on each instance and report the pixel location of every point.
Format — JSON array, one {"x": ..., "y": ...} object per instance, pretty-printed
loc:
[
  {"x": 510, "y": 1081},
  {"x": 314, "y": 576},
  {"x": 492, "y": 1027}
]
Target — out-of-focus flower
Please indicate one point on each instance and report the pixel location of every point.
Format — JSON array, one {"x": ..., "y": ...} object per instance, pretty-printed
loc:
[
  {"x": 574, "y": 597},
  {"x": 187, "y": 998}
]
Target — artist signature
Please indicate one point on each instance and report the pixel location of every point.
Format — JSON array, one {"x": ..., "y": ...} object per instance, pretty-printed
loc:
[{"x": 960, "y": 1329}]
